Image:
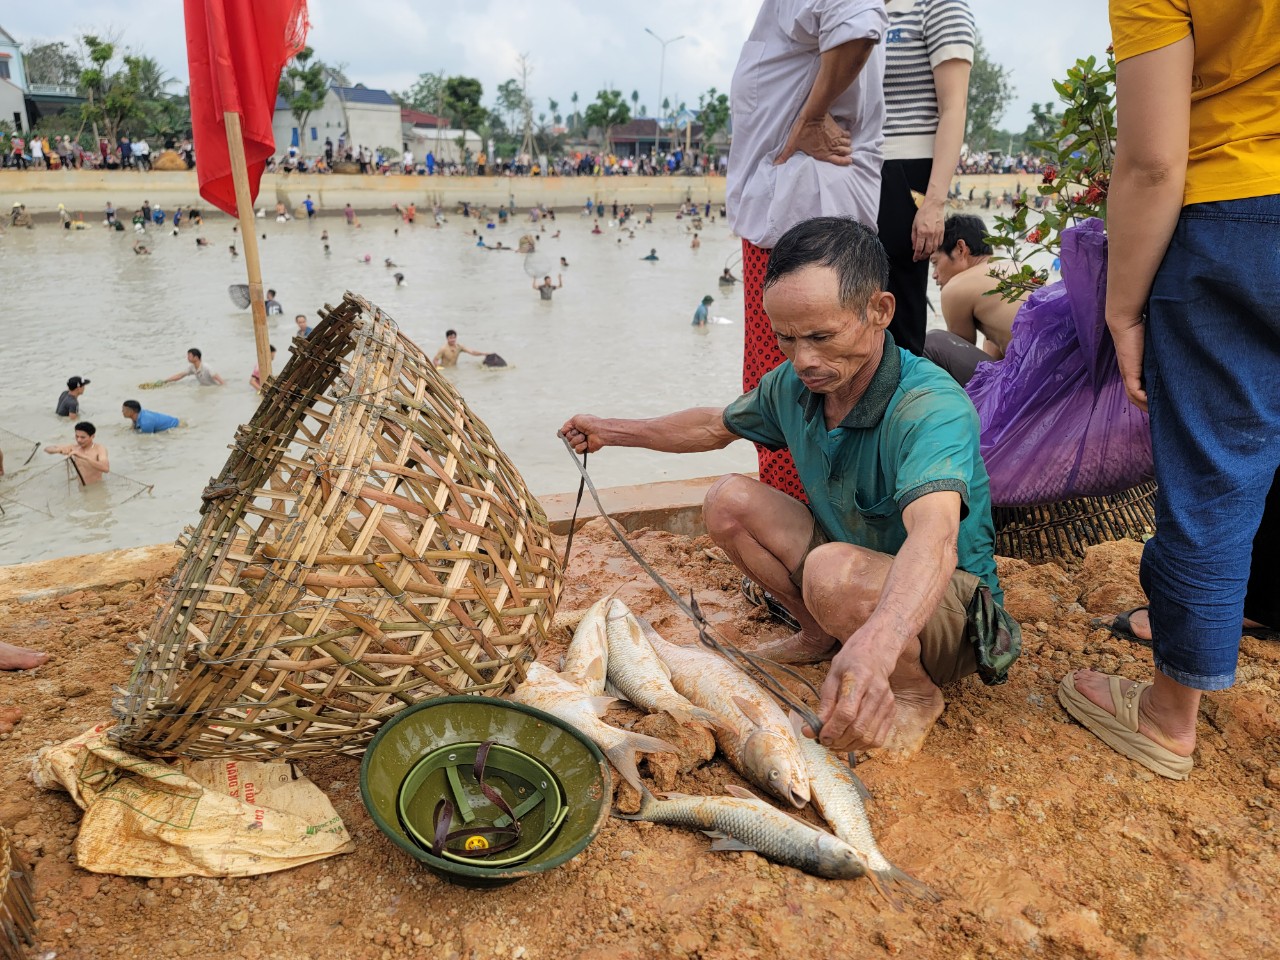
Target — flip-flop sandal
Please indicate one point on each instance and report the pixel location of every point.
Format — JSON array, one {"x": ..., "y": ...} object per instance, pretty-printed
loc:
[
  {"x": 1120, "y": 626},
  {"x": 761, "y": 597},
  {"x": 1120, "y": 732},
  {"x": 1261, "y": 633}
]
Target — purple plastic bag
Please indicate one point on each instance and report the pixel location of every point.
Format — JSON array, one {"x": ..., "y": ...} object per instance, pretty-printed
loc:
[{"x": 1056, "y": 422}]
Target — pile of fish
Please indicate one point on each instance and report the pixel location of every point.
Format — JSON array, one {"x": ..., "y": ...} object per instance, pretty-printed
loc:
[{"x": 616, "y": 655}]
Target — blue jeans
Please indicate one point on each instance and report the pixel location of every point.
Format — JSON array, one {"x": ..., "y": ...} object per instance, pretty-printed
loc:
[{"x": 1212, "y": 373}]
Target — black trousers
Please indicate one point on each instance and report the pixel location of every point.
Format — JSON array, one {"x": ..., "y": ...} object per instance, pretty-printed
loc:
[
  {"x": 908, "y": 279},
  {"x": 1262, "y": 601}
]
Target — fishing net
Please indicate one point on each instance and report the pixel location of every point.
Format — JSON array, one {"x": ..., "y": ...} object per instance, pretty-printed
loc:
[
  {"x": 57, "y": 488},
  {"x": 17, "y": 903},
  {"x": 366, "y": 546},
  {"x": 539, "y": 265}
]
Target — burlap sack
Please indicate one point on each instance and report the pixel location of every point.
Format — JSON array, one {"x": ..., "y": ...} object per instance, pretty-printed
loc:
[{"x": 208, "y": 818}]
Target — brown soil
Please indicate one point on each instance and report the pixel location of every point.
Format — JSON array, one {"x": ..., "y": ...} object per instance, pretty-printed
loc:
[{"x": 1042, "y": 842}]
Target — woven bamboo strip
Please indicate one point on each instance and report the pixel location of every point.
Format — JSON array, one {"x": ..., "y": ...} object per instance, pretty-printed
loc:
[{"x": 366, "y": 546}]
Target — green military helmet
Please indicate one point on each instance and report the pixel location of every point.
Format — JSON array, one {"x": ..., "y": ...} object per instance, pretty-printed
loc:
[{"x": 541, "y": 795}]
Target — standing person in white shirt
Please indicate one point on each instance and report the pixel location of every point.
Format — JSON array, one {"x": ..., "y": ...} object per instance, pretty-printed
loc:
[
  {"x": 142, "y": 154},
  {"x": 808, "y": 107},
  {"x": 929, "y": 51}
]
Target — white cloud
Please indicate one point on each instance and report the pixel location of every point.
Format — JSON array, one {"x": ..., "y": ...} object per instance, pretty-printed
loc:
[{"x": 572, "y": 45}]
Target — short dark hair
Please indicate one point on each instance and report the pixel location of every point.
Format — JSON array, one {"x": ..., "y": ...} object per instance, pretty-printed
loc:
[
  {"x": 848, "y": 247},
  {"x": 302, "y": 316},
  {"x": 970, "y": 229},
  {"x": 195, "y": 351},
  {"x": 451, "y": 333},
  {"x": 133, "y": 405},
  {"x": 84, "y": 426},
  {"x": 271, "y": 293}
]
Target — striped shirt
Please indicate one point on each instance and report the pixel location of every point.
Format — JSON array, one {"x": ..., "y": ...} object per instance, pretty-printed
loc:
[{"x": 922, "y": 34}]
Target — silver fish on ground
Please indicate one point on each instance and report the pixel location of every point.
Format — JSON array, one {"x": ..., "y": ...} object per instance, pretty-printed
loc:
[
  {"x": 840, "y": 797},
  {"x": 589, "y": 644},
  {"x": 639, "y": 675},
  {"x": 547, "y": 690},
  {"x": 745, "y": 822},
  {"x": 752, "y": 730}
]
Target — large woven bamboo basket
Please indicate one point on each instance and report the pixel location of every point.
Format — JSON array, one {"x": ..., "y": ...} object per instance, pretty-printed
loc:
[
  {"x": 1062, "y": 531},
  {"x": 17, "y": 905},
  {"x": 367, "y": 546}
]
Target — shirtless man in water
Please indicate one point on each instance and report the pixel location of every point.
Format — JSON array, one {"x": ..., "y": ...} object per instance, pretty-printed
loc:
[
  {"x": 962, "y": 270},
  {"x": 889, "y": 569},
  {"x": 447, "y": 356},
  {"x": 88, "y": 457}
]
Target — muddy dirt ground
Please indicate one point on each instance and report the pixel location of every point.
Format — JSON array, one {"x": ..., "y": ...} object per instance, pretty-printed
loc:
[{"x": 1042, "y": 842}]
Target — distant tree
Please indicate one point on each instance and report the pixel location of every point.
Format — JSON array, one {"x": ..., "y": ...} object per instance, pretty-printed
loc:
[
  {"x": 554, "y": 106},
  {"x": 635, "y": 100},
  {"x": 426, "y": 93},
  {"x": 576, "y": 120},
  {"x": 608, "y": 111},
  {"x": 511, "y": 101},
  {"x": 335, "y": 74},
  {"x": 989, "y": 93},
  {"x": 713, "y": 112},
  {"x": 644, "y": 111},
  {"x": 111, "y": 86},
  {"x": 462, "y": 102},
  {"x": 1045, "y": 125},
  {"x": 666, "y": 106},
  {"x": 55, "y": 62},
  {"x": 303, "y": 87}
]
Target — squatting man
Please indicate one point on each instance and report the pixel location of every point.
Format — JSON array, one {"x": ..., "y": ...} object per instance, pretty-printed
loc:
[{"x": 889, "y": 569}]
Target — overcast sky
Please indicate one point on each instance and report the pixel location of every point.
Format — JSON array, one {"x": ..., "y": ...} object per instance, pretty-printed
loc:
[{"x": 572, "y": 44}]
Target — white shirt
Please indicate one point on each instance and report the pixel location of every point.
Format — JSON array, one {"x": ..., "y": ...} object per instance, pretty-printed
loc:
[
  {"x": 141, "y": 148},
  {"x": 774, "y": 75}
]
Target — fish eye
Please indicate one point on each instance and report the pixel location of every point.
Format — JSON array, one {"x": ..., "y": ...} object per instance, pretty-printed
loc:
[{"x": 773, "y": 774}]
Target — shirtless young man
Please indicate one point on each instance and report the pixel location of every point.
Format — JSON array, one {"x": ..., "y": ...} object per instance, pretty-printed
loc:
[
  {"x": 89, "y": 458},
  {"x": 447, "y": 356},
  {"x": 961, "y": 268}
]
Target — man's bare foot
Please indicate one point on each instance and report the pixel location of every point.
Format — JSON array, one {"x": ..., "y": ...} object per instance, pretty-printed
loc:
[
  {"x": 1167, "y": 727},
  {"x": 798, "y": 648},
  {"x": 19, "y": 658},
  {"x": 915, "y": 713}
]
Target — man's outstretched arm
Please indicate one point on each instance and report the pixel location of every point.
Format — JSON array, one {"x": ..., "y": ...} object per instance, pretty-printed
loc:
[{"x": 696, "y": 430}]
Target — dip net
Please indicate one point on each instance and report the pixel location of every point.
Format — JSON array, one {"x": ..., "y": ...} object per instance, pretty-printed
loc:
[
  {"x": 17, "y": 906},
  {"x": 367, "y": 546},
  {"x": 54, "y": 487}
]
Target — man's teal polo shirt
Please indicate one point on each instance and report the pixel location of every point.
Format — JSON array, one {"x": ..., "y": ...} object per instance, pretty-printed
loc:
[{"x": 913, "y": 432}]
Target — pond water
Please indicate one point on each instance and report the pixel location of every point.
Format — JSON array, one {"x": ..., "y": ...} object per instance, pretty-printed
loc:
[{"x": 616, "y": 340}]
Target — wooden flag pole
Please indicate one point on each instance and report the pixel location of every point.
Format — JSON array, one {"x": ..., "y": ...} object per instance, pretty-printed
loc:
[{"x": 249, "y": 231}]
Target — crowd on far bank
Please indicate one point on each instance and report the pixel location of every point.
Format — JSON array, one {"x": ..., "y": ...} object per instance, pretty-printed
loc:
[{"x": 36, "y": 151}]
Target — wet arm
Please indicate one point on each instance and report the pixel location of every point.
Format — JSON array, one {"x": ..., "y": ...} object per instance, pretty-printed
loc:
[{"x": 696, "y": 430}]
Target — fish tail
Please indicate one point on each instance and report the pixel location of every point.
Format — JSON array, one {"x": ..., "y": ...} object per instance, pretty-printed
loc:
[
  {"x": 891, "y": 881},
  {"x": 624, "y": 757}
]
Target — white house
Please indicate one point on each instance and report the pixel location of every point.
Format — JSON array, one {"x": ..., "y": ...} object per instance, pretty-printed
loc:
[
  {"x": 13, "y": 83},
  {"x": 350, "y": 116}
]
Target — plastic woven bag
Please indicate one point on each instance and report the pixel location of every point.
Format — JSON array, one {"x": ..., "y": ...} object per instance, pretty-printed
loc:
[{"x": 1056, "y": 422}]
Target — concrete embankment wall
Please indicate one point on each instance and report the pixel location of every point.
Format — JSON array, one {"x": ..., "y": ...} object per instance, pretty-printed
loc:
[{"x": 88, "y": 191}]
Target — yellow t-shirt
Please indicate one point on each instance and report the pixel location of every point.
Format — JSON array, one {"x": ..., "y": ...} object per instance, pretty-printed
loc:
[{"x": 1235, "y": 87}]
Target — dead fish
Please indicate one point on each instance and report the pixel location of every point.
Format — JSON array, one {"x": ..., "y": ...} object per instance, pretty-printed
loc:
[
  {"x": 840, "y": 797},
  {"x": 639, "y": 675},
  {"x": 745, "y": 822},
  {"x": 547, "y": 690},
  {"x": 589, "y": 645},
  {"x": 752, "y": 730}
]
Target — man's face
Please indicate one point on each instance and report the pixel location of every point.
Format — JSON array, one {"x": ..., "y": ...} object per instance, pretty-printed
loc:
[
  {"x": 301, "y": 322},
  {"x": 827, "y": 342},
  {"x": 83, "y": 440},
  {"x": 127, "y": 413},
  {"x": 946, "y": 265},
  {"x": 192, "y": 358},
  {"x": 451, "y": 339}
]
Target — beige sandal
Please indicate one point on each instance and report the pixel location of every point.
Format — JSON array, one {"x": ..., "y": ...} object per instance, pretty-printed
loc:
[{"x": 1120, "y": 731}]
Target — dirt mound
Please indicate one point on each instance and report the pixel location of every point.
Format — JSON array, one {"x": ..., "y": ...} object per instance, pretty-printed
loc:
[{"x": 1042, "y": 842}]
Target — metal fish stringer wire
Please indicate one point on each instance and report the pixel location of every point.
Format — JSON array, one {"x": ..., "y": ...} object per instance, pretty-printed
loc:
[{"x": 749, "y": 663}]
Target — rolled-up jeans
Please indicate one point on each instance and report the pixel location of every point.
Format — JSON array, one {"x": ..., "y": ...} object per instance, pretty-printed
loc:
[{"x": 1212, "y": 371}]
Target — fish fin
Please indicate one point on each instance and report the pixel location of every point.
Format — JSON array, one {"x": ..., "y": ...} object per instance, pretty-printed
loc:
[
  {"x": 892, "y": 881},
  {"x": 733, "y": 790},
  {"x": 797, "y": 725},
  {"x": 694, "y": 715},
  {"x": 624, "y": 757},
  {"x": 730, "y": 844},
  {"x": 595, "y": 672},
  {"x": 641, "y": 639},
  {"x": 856, "y": 780},
  {"x": 751, "y": 711},
  {"x": 615, "y": 693},
  {"x": 601, "y": 704},
  {"x": 715, "y": 834}
]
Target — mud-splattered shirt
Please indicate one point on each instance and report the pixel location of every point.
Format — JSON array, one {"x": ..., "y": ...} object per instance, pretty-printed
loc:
[{"x": 914, "y": 432}]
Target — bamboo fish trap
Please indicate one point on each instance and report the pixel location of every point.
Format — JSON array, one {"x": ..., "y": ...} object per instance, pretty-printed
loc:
[
  {"x": 367, "y": 546},
  {"x": 17, "y": 910}
]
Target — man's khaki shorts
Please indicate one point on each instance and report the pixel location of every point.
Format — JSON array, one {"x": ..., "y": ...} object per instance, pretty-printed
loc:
[{"x": 945, "y": 649}]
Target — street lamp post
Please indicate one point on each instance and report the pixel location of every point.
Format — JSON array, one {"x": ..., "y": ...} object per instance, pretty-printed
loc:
[{"x": 662, "y": 68}]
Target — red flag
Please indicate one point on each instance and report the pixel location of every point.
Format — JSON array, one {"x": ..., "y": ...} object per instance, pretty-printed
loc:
[{"x": 235, "y": 51}]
